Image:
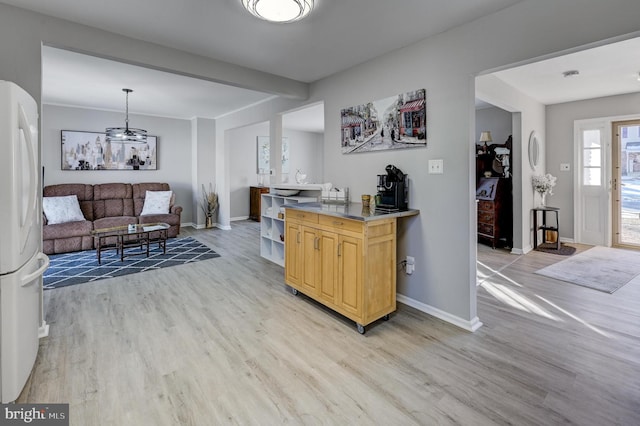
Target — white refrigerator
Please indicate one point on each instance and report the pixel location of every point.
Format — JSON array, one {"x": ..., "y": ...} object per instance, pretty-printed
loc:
[{"x": 21, "y": 261}]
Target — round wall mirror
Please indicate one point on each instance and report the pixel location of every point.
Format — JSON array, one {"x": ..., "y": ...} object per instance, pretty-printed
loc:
[{"x": 534, "y": 150}]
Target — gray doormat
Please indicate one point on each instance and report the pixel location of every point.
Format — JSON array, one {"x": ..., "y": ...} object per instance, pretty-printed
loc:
[
  {"x": 600, "y": 268},
  {"x": 552, "y": 248},
  {"x": 81, "y": 267}
]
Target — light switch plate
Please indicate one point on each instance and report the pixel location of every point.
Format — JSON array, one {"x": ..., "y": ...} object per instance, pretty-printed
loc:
[
  {"x": 565, "y": 167},
  {"x": 436, "y": 166}
]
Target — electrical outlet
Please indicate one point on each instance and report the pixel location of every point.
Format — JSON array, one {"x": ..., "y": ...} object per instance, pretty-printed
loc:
[
  {"x": 436, "y": 167},
  {"x": 565, "y": 167},
  {"x": 410, "y": 265}
]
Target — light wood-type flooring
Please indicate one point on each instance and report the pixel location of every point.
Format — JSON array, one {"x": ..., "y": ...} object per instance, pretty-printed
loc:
[{"x": 223, "y": 341}]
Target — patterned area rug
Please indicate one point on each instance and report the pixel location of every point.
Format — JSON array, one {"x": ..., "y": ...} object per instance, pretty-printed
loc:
[
  {"x": 81, "y": 267},
  {"x": 600, "y": 268}
]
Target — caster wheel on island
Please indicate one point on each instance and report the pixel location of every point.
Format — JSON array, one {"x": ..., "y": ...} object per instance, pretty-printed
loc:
[
  {"x": 386, "y": 317},
  {"x": 294, "y": 291},
  {"x": 361, "y": 329}
]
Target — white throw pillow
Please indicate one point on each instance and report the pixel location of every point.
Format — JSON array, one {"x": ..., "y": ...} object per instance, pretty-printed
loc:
[
  {"x": 156, "y": 202},
  {"x": 62, "y": 209}
]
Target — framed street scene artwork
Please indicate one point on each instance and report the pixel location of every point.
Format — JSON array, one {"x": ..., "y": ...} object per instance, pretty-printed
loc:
[
  {"x": 396, "y": 122},
  {"x": 92, "y": 151}
]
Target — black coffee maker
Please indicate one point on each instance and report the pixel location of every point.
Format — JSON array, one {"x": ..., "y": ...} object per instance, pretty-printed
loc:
[{"x": 393, "y": 190}]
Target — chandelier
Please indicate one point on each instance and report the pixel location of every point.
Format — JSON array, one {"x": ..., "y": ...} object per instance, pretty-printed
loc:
[
  {"x": 281, "y": 11},
  {"x": 126, "y": 134}
]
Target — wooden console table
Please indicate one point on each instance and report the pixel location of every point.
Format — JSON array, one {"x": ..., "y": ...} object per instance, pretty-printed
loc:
[{"x": 255, "y": 193}]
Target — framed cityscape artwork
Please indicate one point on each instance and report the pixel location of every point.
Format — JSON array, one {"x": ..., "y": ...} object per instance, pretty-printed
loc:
[
  {"x": 92, "y": 151},
  {"x": 396, "y": 122}
]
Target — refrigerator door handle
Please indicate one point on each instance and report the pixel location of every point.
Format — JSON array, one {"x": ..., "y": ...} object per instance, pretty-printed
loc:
[
  {"x": 33, "y": 178},
  {"x": 28, "y": 279}
]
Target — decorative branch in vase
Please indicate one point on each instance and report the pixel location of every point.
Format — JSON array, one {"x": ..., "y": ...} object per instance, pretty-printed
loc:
[
  {"x": 209, "y": 204},
  {"x": 543, "y": 185}
]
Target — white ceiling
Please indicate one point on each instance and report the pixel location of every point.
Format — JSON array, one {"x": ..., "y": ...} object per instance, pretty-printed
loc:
[
  {"x": 604, "y": 71},
  {"x": 337, "y": 35},
  {"x": 73, "y": 79}
]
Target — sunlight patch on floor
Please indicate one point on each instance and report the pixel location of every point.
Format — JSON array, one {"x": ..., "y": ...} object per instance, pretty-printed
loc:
[
  {"x": 486, "y": 277},
  {"x": 580, "y": 320},
  {"x": 516, "y": 300},
  {"x": 494, "y": 272}
]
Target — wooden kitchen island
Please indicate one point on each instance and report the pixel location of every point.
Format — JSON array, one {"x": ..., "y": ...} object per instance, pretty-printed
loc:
[{"x": 343, "y": 257}]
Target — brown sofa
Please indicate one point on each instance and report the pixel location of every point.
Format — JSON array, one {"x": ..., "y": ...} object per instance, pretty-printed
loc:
[{"x": 103, "y": 206}]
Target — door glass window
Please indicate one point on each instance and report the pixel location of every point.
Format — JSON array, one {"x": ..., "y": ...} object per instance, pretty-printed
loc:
[{"x": 592, "y": 157}]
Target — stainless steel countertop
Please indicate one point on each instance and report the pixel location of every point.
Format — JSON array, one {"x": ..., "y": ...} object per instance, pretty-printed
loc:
[{"x": 350, "y": 211}]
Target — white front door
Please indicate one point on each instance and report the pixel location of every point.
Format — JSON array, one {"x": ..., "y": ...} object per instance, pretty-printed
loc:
[{"x": 592, "y": 196}]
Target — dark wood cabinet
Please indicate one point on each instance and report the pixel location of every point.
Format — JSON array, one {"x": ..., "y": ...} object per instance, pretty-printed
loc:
[
  {"x": 255, "y": 193},
  {"x": 494, "y": 211}
]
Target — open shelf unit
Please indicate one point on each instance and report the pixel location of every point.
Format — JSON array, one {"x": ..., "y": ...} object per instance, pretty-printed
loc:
[{"x": 272, "y": 226}]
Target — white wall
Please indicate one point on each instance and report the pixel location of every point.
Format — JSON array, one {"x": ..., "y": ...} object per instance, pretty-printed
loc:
[
  {"x": 306, "y": 153},
  {"x": 174, "y": 150},
  {"x": 495, "y": 120},
  {"x": 242, "y": 149},
  {"x": 530, "y": 117},
  {"x": 203, "y": 160},
  {"x": 560, "y": 145}
]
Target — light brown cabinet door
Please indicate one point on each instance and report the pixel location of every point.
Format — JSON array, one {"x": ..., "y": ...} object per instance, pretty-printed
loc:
[
  {"x": 310, "y": 277},
  {"x": 350, "y": 274},
  {"x": 329, "y": 267},
  {"x": 293, "y": 254}
]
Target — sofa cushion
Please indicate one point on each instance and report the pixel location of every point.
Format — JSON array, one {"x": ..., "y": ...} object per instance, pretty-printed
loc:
[
  {"x": 66, "y": 230},
  {"x": 156, "y": 202},
  {"x": 140, "y": 191},
  {"x": 80, "y": 190},
  {"x": 112, "y": 199},
  {"x": 62, "y": 209}
]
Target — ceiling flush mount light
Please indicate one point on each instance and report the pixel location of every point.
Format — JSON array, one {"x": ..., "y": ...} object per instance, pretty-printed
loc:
[
  {"x": 126, "y": 134},
  {"x": 281, "y": 11},
  {"x": 570, "y": 73}
]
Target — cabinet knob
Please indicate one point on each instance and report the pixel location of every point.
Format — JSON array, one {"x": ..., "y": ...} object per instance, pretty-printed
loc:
[{"x": 337, "y": 222}]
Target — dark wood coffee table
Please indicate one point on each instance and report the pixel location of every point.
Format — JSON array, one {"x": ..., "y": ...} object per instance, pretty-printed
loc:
[{"x": 131, "y": 236}]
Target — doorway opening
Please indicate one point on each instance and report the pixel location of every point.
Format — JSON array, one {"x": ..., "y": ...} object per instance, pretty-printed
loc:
[{"x": 626, "y": 183}]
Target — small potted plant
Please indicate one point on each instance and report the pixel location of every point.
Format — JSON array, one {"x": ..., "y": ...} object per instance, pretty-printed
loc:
[
  {"x": 209, "y": 204},
  {"x": 543, "y": 185}
]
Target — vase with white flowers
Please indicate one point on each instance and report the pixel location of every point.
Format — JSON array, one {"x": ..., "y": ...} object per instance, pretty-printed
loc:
[
  {"x": 543, "y": 185},
  {"x": 209, "y": 204}
]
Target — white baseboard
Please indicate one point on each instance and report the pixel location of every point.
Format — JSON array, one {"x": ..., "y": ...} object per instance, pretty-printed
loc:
[
  {"x": 566, "y": 240},
  {"x": 472, "y": 325},
  {"x": 217, "y": 225},
  {"x": 43, "y": 330},
  {"x": 233, "y": 219}
]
